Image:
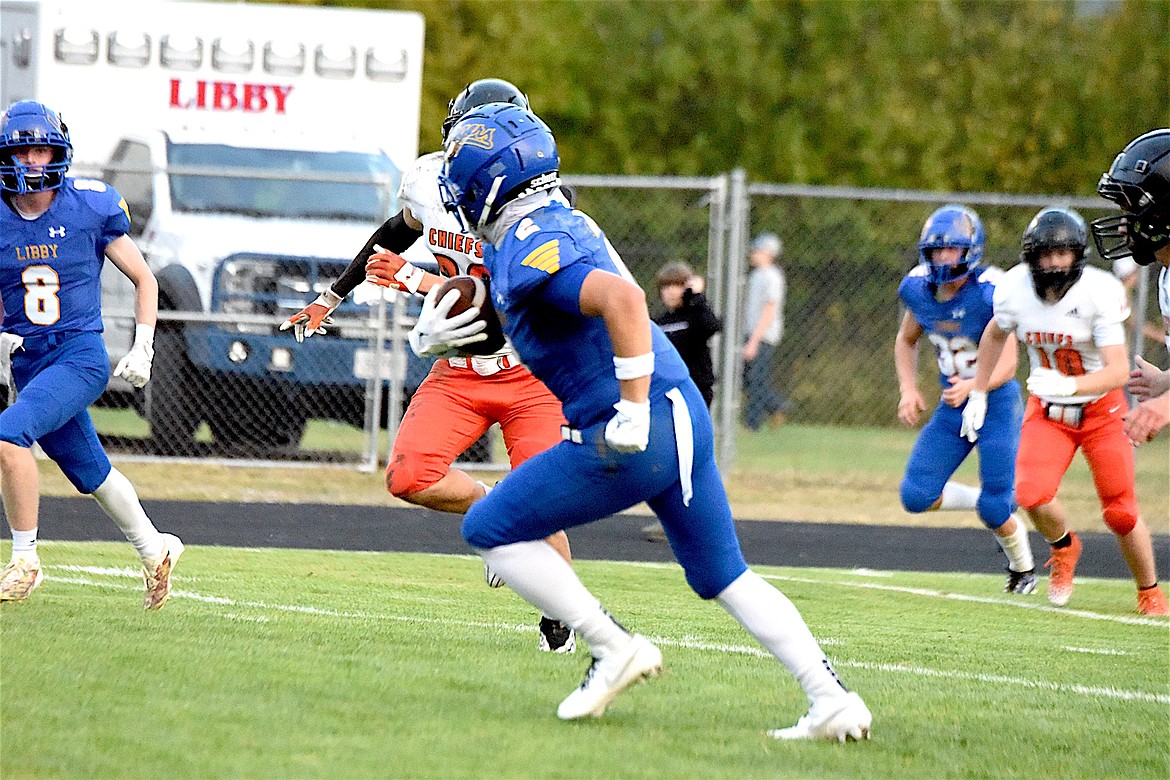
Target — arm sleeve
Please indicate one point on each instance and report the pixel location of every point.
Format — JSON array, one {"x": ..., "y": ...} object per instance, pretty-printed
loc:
[{"x": 395, "y": 235}]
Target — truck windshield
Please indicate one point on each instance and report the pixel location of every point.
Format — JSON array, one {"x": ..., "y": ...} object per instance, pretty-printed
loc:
[{"x": 281, "y": 183}]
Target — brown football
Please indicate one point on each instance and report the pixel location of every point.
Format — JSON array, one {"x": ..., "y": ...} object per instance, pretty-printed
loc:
[{"x": 473, "y": 291}]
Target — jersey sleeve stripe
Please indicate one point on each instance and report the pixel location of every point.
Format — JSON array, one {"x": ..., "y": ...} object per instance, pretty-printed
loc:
[{"x": 546, "y": 257}]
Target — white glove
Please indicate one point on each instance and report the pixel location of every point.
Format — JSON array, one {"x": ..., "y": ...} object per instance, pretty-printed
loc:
[
  {"x": 1047, "y": 383},
  {"x": 135, "y": 366},
  {"x": 314, "y": 317},
  {"x": 629, "y": 429},
  {"x": 9, "y": 343},
  {"x": 973, "y": 414},
  {"x": 436, "y": 334}
]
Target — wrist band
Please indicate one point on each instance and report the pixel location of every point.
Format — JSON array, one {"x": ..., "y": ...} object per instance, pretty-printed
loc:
[
  {"x": 633, "y": 367},
  {"x": 144, "y": 334}
]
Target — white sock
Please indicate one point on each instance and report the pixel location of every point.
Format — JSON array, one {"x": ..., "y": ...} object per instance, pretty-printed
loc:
[
  {"x": 956, "y": 495},
  {"x": 486, "y": 487},
  {"x": 1016, "y": 548},
  {"x": 774, "y": 621},
  {"x": 24, "y": 543},
  {"x": 119, "y": 500},
  {"x": 540, "y": 576}
]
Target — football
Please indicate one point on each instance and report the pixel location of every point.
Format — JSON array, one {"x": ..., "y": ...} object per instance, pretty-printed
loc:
[{"x": 473, "y": 291}]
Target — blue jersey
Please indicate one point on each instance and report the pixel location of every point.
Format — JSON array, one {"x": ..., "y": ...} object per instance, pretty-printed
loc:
[
  {"x": 955, "y": 326},
  {"x": 51, "y": 266},
  {"x": 536, "y": 277}
]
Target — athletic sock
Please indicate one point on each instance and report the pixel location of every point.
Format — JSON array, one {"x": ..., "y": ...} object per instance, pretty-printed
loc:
[
  {"x": 119, "y": 500},
  {"x": 774, "y": 621},
  {"x": 1017, "y": 549},
  {"x": 956, "y": 496},
  {"x": 540, "y": 576},
  {"x": 1063, "y": 541},
  {"x": 24, "y": 543}
]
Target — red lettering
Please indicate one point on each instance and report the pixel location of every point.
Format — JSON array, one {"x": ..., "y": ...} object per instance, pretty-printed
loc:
[
  {"x": 254, "y": 100},
  {"x": 175, "y": 84},
  {"x": 225, "y": 96},
  {"x": 281, "y": 94}
]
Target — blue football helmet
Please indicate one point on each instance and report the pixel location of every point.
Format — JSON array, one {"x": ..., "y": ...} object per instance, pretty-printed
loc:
[
  {"x": 951, "y": 226},
  {"x": 29, "y": 123},
  {"x": 496, "y": 154}
]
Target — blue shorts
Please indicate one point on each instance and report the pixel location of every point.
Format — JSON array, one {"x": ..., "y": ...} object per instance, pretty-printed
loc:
[
  {"x": 58, "y": 376},
  {"x": 577, "y": 483},
  {"x": 940, "y": 450}
]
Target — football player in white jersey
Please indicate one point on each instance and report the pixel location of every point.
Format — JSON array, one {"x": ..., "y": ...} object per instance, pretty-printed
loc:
[
  {"x": 1071, "y": 317},
  {"x": 463, "y": 395},
  {"x": 1139, "y": 182}
]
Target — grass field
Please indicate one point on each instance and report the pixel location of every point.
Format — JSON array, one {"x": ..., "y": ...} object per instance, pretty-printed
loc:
[
  {"x": 795, "y": 472},
  {"x": 276, "y": 663}
]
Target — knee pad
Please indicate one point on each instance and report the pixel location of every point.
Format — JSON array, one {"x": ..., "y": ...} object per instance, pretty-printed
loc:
[
  {"x": 1121, "y": 516},
  {"x": 1030, "y": 494},
  {"x": 407, "y": 476},
  {"x": 994, "y": 508},
  {"x": 86, "y": 475},
  {"x": 915, "y": 499}
]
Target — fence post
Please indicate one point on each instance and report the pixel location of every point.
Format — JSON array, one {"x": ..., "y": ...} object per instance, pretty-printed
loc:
[
  {"x": 738, "y": 211},
  {"x": 374, "y": 387}
]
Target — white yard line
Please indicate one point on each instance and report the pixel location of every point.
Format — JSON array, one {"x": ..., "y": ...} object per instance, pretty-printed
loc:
[{"x": 690, "y": 644}]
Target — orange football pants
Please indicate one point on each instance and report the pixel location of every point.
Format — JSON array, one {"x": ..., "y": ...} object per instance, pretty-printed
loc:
[
  {"x": 453, "y": 407},
  {"x": 1047, "y": 448}
]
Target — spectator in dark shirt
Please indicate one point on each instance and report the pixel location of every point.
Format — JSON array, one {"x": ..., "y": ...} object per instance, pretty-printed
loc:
[{"x": 689, "y": 322}]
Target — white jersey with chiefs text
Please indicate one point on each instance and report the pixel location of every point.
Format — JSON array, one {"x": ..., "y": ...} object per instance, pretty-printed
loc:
[
  {"x": 455, "y": 251},
  {"x": 1066, "y": 335}
]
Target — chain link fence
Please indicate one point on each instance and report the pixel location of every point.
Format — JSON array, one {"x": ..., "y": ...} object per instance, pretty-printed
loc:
[{"x": 229, "y": 386}]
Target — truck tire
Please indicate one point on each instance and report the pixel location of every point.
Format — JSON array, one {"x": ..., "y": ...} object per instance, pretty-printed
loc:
[
  {"x": 172, "y": 407},
  {"x": 255, "y": 418}
]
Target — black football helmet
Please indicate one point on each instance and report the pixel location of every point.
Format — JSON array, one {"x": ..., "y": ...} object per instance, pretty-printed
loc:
[
  {"x": 1054, "y": 228},
  {"x": 1138, "y": 182},
  {"x": 480, "y": 93}
]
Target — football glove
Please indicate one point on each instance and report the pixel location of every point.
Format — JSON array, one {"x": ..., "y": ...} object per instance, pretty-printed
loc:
[
  {"x": 629, "y": 429},
  {"x": 1047, "y": 383},
  {"x": 135, "y": 366},
  {"x": 439, "y": 335},
  {"x": 387, "y": 269},
  {"x": 314, "y": 317},
  {"x": 973, "y": 414}
]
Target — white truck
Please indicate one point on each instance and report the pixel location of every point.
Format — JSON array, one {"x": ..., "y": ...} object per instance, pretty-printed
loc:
[{"x": 257, "y": 146}]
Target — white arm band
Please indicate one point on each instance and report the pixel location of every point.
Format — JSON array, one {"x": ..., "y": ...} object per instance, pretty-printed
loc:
[
  {"x": 144, "y": 334},
  {"x": 633, "y": 367}
]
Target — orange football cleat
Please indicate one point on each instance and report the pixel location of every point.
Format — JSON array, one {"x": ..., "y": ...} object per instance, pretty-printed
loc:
[
  {"x": 1152, "y": 601},
  {"x": 1063, "y": 563}
]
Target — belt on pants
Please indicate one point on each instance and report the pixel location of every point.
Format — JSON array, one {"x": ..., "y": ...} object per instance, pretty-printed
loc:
[
  {"x": 484, "y": 366},
  {"x": 683, "y": 436},
  {"x": 1071, "y": 415}
]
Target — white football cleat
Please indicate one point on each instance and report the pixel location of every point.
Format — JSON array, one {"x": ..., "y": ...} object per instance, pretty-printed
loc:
[
  {"x": 157, "y": 573},
  {"x": 609, "y": 676},
  {"x": 841, "y": 718},
  {"x": 20, "y": 578},
  {"x": 492, "y": 579}
]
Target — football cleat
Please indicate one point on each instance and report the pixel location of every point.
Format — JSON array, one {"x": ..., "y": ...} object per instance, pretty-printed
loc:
[
  {"x": 1152, "y": 601},
  {"x": 20, "y": 578},
  {"x": 556, "y": 637},
  {"x": 157, "y": 573},
  {"x": 609, "y": 676},
  {"x": 492, "y": 579},
  {"x": 1063, "y": 563},
  {"x": 841, "y": 719},
  {"x": 1020, "y": 582}
]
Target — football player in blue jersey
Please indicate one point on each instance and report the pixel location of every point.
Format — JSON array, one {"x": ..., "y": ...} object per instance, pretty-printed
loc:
[
  {"x": 638, "y": 428},
  {"x": 948, "y": 297},
  {"x": 55, "y": 233}
]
